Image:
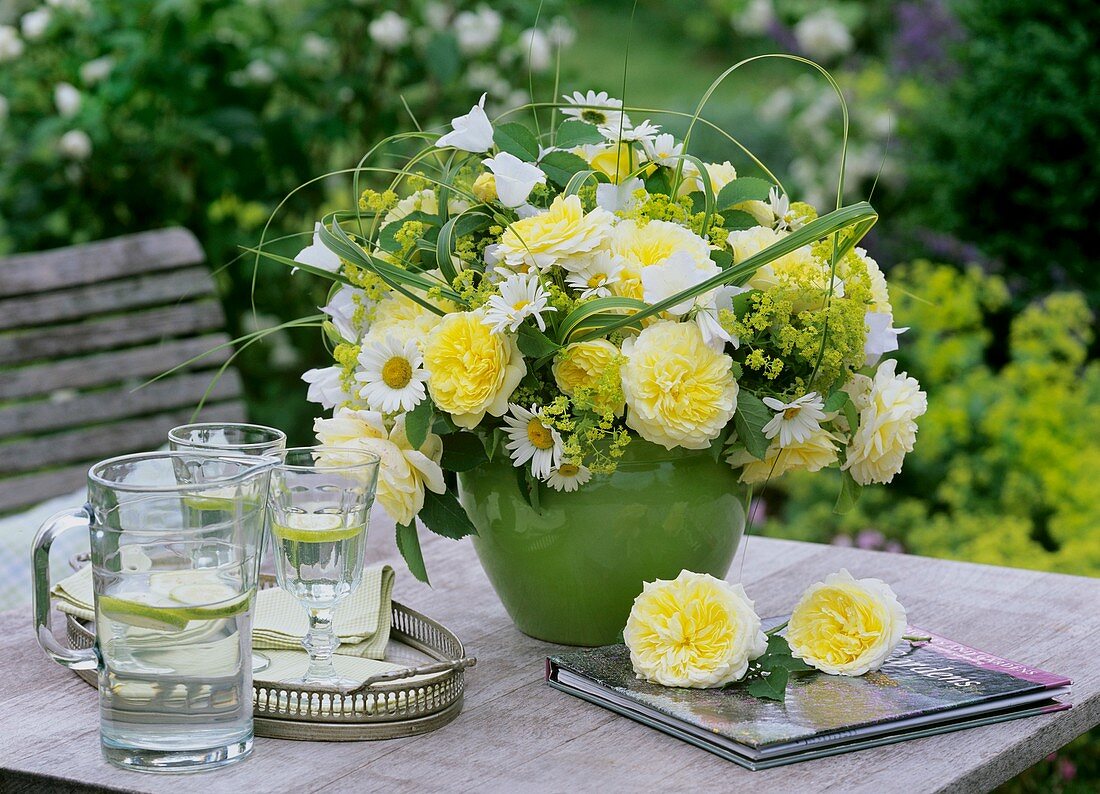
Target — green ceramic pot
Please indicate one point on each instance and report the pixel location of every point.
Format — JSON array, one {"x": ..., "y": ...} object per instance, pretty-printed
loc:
[{"x": 569, "y": 572}]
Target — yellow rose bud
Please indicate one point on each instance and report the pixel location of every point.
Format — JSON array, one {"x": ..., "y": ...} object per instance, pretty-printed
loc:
[
  {"x": 615, "y": 163},
  {"x": 693, "y": 631},
  {"x": 760, "y": 211},
  {"x": 485, "y": 187},
  {"x": 846, "y": 626},
  {"x": 471, "y": 370},
  {"x": 585, "y": 365}
]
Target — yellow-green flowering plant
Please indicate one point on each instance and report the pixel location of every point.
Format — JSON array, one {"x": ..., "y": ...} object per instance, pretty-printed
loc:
[{"x": 554, "y": 294}]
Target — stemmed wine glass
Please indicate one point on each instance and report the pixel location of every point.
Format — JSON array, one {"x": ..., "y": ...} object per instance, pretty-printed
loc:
[
  {"x": 319, "y": 507},
  {"x": 237, "y": 438}
]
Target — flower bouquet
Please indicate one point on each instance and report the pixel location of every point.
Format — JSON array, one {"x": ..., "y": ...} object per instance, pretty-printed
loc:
[{"x": 608, "y": 340}]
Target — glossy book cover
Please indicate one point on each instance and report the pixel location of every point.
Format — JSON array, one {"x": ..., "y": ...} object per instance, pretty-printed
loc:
[{"x": 924, "y": 688}]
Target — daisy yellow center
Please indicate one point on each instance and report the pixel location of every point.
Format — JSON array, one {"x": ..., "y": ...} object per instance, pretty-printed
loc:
[
  {"x": 539, "y": 435},
  {"x": 397, "y": 372},
  {"x": 792, "y": 412},
  {"x": 594, "y": 116},
  {"x": 597, "y": 280},
  {"x": 521, "y": 304},
  {"x": 568, "y": 470}
]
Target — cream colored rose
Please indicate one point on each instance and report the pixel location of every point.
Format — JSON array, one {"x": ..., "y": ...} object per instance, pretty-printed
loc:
[
  {"x": 561, "y": 231},
  {"x": 405, "y": 319},
  {"x": 846, "y": 626},
  {"x": 471, "y": 370},
  {"x": 404, "y": 472},
  {"x": 888, "y": 407},
  {"x": 584, "y": 364},
  {"x": 693, "y": 631},
  {"x": 639, "y": 246},
  {"x": 679, "y": 391},
  {"x": 813, "y": 453},
  {"x": 748, "y": 242},
  {"x": 422, "y": 201}
]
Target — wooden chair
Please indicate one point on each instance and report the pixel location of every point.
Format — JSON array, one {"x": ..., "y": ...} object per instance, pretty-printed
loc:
[{"x": 80, "y": 328}]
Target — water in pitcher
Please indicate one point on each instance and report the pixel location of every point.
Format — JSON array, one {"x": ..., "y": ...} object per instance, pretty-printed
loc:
[
  {"x": 176, "y": 669},
  {"x": 320, "y": 557}
]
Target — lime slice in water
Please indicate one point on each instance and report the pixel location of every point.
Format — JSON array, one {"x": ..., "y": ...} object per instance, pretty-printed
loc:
[
  {"x": 314, "y": 528},
  {"x": 136, "y": 613},
  {"x": 174, "y": 600}
]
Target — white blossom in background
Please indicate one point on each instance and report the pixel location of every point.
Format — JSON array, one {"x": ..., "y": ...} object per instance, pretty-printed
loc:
[
  {"x": 560, "y": 33},
  {"x": 259, "y": 72},
  {"x": 514, "y": 178},
  {"x": 75, "y": 145},
  {"x": 470, "y": 133},
  {"x": 478, "y": 30},
  {"x": 822, "y": 35},
  {"x": 11, "y": 46},
  {"x": 536, "y": 50},
  {"x": 3, "y": 110},
  {"x": 437, "y": 15},
  {"x": 316, "y": 46},
  {"x": 67, "y": 99},
  {"x": 317, "y": 255},
  {"x": 486, "y": 77},
  {"x": 390, "y": 31},
  {"x": 755, "y": 19},
  {"x": 82, "y": 7},
  {"x": 97, "y": 70},
  {"x": 34, "y": 23}
]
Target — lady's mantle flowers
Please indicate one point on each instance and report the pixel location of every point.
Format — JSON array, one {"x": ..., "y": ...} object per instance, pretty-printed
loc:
[
  {"x": 693, "y": 631},
  {"x": 846, "y": 626}
]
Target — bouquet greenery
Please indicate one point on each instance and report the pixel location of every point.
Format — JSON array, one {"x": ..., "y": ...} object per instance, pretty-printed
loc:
[{"x": 557, "y": 294}]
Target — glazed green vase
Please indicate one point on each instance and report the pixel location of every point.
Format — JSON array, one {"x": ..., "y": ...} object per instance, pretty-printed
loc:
[{"x": 569, "y": 572}]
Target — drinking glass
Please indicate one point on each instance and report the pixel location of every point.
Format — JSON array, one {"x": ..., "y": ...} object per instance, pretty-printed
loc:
[
  {"x": 173, "y": 604},
  {"x": 235, "y": 438},
  {"x": 319, "y": 508}
]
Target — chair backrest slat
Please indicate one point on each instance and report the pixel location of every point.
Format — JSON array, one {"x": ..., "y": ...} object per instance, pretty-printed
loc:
[{"x": 80, "y": 329}]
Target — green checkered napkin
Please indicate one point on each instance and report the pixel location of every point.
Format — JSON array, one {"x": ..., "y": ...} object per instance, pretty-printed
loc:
[{"x": 279, "y": 622}]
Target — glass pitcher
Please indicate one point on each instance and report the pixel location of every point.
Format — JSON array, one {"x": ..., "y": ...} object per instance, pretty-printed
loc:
[{"x": 175, "y": 539}]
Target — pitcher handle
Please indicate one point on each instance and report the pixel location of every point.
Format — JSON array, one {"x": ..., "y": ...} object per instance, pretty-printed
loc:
[{"x": 76, "y": 658}]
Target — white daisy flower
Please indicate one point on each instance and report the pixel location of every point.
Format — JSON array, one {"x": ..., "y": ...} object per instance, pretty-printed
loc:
[
  {"x": 663, "y": 150},
  {"x": 593, "y": 276},
  {"x": 599, "y": 109},
  {"x": 796, "y": 421},
  {"x": 643, "y": 133},
  {"x": 529, "y": 439},
  {"x": 568, "y": 477},
  {"x": 785, "y": 220},
  {"x": 394, "y": 375},
  {"x": 521, "y": 296}
]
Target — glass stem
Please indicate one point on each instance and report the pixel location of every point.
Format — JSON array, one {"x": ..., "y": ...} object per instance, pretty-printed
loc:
[{"x": 320, "y": 642}]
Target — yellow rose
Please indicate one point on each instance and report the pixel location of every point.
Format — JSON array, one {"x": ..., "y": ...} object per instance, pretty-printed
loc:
[
  {"x": 404, "y": 472},
  {"x": 888, "y": 409},
  {"x": 693, "y": 631},
  {"x": 639, "y": 246},
  {"x": 485, "y": 187},
  {"x": 748, "y": 242},
  {"x": 760, "y": 211},
  {"x": 846, "y": 626},
  {"x": 563, "y": 230},
  {"x": 471, "y": 370},
  {"x": 405, "y": 319},
  {"x": 814, "y": 453},
  {"x": 585, "y": 364},
  {"x": 721, "y": 174},
  {"x": 679, "y": 391}
]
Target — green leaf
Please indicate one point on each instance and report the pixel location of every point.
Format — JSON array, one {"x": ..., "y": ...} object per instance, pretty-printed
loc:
[
  {"x": 836, "y": 401},
  {"x": 736, "y": 220},
  {"x": 658, "y": 183},
  {"x": 417, "y": 422},
  {"x": 850, "y": 491},
  {"x": 443, "y": 515},
  {"x": 576, "y": 133},
  {"x": 749, "y": 422},
  {"x": 721, "y": 257},
  {"x": 471, "y": 221},
  {"x": 462, "y": 452},
  {"x": 560, "y": 167},
  {"x": 443, "y": 425},
  {"x": 493, "y": 441},
  {"x": 533, "y": 343},
  {"x": 516, "y": 139},
  {"x": 444, "y": 58},
  {"x": 717, "y": 445},
  {"x": 408, "y": 543},
  {"x": 771, "y": 686},
  {"x": 386, "y": 237},
  {"x": 747, "y": 188}
]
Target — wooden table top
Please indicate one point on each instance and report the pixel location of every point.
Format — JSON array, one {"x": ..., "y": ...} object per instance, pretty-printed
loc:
[{"x": 518, "y": 734}]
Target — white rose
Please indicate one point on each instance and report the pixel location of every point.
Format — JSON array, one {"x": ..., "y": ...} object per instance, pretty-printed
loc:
[{"x": 888, "y": 409}]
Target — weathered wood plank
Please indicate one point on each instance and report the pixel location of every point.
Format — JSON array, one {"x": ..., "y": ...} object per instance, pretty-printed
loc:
[
  {"x": 25, "y": 490},
  {"x": 100, "y": 441},
  {"x": 516, "y": 734},
  {"x": 118, "y": 366},
  {"x": 51, "y": 308},
  {"x": 62, "y": 268},
  {"x": 110, "y": 333},
  {"x": 100, "y": 406}
]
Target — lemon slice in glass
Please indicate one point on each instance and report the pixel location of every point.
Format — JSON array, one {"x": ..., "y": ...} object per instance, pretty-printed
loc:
[{"x": 313, "y": 528}]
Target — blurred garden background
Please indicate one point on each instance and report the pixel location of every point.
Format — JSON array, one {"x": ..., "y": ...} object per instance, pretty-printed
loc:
[{"x": 973, "y": 131}]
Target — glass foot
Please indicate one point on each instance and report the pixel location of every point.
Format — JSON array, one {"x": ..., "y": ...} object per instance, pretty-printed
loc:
[
  {"x": 143, "y": 760},
  {"x": 260, "y": 662}
]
